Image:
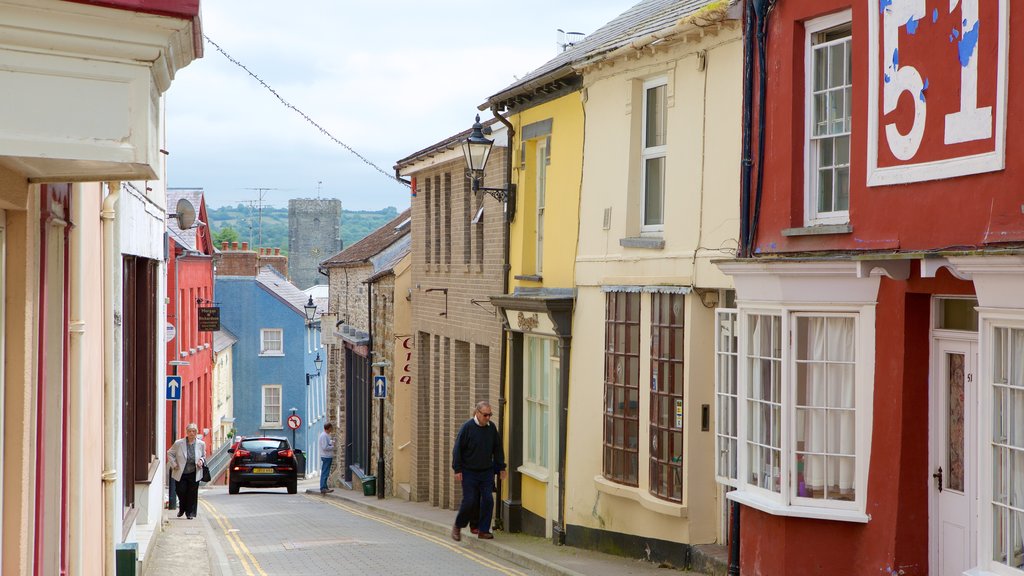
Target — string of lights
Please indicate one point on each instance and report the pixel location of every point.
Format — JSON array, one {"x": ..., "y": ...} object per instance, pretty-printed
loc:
[{"x": 303, "y": 114}]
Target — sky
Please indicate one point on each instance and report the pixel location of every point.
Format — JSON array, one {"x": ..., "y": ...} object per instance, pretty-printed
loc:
[{"x": 384, "y": 77}]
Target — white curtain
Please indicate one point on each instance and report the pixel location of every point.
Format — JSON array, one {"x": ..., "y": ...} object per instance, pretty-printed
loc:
[{"x": 828, "y": 419}]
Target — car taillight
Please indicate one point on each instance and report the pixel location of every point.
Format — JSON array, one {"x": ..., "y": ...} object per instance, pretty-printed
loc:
[
  {"x": 242, "y": 453},
  {"x": 285, "y": 453}
]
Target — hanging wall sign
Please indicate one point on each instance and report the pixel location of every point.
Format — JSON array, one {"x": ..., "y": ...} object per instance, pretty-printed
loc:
[{"x": 209, "y": 319}]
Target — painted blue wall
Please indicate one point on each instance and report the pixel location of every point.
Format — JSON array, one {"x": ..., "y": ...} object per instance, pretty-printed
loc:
[{"x": 246, "y": 307}]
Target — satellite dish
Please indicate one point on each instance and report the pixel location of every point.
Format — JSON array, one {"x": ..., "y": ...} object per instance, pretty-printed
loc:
[{"x": 185, "y": 214}]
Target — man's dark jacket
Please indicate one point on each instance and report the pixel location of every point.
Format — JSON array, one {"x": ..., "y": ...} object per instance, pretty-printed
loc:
[{"x": 478, "y": 448}]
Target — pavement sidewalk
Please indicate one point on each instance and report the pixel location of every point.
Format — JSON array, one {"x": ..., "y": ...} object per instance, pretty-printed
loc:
[{"x": 190, "y": 547}]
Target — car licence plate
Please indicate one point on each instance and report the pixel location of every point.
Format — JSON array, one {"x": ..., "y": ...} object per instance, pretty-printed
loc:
[{"x": 262, "y": 470}]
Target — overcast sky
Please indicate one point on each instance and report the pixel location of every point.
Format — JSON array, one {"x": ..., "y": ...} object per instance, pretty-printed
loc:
[{"x": 385, "y": 77}]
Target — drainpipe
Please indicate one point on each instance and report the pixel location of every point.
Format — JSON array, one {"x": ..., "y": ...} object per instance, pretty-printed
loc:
[
  {"x": 510, "y": 210},
  {"x": 111, "y": 417},
  {"x": 76, "y": 378},
  {"x": 748, "y": 105}
]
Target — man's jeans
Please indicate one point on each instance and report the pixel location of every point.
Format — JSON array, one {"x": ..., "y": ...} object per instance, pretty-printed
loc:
[
  {"x": 477, "y": 499},
  {"x": 325, "y": 471}
]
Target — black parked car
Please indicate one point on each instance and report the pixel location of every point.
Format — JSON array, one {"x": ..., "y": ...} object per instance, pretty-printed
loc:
[{"x": 262, "y": 461}]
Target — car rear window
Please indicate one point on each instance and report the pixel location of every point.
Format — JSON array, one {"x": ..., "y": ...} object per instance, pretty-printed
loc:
[{"x": 260, "y": 444}]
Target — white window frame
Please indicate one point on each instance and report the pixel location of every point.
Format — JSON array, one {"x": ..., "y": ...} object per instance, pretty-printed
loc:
[
  {"x": 787, "y": 503},
  {"x": 543, "y": 157},
  {"x": 811, "y": 192},
  {"x": 726, "y": 396},
  {"x": 533, "y": 437},
  {"x": 264, "y": 333},
  {"x": 264, "y": 423},
  {"x": 651, "y": 153},
  {"x": 990, "y": 320}
]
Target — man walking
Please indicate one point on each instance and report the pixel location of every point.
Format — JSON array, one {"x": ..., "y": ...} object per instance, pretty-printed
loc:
[
  {"x": 326, "y": 446},
  {"x": 476, "y": 456}
]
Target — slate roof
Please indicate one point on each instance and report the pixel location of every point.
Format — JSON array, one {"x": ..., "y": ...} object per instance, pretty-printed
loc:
[
  {"x": 639, "y": 21},
  {"x": 387, "y": 265},
  {"x": 279, "y": 286},
  {"x": 449, "y": 143},
  {"x": 222, "y": 339},
  {"x": 186, "y": 238},
  {"x": 373, "y": 244}
]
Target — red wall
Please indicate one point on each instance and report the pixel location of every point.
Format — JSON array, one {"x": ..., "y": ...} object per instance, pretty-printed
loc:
[
  {"x": 962, "y": 211},
  {"x": 187, "y": 9},
  {"x": 195, "y": 278},
  {"x": 897, "y": 499}
]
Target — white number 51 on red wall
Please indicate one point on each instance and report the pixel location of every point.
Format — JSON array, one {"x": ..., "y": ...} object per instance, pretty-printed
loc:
[{"x": 937, "y": 89}]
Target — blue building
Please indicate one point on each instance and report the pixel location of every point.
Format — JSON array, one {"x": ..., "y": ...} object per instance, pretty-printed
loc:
[{"x": 275, "y": 359}]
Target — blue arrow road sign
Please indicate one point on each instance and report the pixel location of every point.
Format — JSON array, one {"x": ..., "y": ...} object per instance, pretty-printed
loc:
[
  {"x": 380, "y": 387},
  {"x": 174, "y": 387}
]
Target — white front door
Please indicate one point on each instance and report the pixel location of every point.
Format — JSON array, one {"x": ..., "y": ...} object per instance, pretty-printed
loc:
[{"x": 953, "y": 456}]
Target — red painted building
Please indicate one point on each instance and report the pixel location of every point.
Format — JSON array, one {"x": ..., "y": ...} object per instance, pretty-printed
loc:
[
  {"x": 189, "y": 288},
  {"x": 871, "y": 376}
]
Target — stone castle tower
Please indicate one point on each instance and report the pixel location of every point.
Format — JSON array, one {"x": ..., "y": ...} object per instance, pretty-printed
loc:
[{"x": 314, "y": 235}]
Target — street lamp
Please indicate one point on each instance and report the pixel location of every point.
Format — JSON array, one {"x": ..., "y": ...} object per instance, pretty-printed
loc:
[
  {"x": 477, "y": 149},
  {"x": 310, "y": 309}
]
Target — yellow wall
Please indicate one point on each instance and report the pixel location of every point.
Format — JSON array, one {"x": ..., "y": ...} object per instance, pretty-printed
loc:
[
  {"x": 561, "y": 213},
  {"x": 701, "y": 215},
  {"x": 403, "y": 391}
]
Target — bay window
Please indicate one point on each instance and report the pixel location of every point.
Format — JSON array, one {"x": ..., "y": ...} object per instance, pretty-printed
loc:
[{"x": 793, "y": 393}]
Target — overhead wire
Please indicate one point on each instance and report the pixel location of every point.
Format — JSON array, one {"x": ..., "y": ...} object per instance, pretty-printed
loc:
[{"x": 305, "y": 116}]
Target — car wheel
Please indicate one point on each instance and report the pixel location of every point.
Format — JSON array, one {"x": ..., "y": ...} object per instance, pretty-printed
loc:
[
  {"x": 293, "y": 486},
  {"x": 233, "y": 488}
]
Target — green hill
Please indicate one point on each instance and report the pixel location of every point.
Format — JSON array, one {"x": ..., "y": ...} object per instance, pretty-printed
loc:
[{"x": 269, "y": 227}]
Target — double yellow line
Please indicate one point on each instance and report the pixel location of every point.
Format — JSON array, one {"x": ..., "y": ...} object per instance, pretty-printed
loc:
[
  {"x": 252, "y": 567},
  {"x": 443, "y": 542}
]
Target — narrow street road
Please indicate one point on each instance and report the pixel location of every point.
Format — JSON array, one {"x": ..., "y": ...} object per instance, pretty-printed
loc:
[{"x": 269, "y": 532}]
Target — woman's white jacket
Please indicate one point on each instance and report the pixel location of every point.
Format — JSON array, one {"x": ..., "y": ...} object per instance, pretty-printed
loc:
[{"x": 176, "y": 458}]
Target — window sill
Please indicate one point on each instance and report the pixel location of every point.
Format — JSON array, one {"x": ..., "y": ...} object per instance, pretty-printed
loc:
[
  {"x": 529, "y": 277},
  {"x": 278, "y": 427},
  {"x": 536, "y": 472},
  {"x": 637, "y": 495},
  {"x": 819, "y": 230},
  {"x": 642, "y": 242},
  {"x": 271, "y": 354},
  {"x": 769, "y": 506}
]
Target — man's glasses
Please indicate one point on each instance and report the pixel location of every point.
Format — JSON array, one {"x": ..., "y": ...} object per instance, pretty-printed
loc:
[{"x": 485, "y": 414}]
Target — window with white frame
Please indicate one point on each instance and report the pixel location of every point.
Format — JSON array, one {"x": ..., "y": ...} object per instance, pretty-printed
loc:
[
  {"x": 788, "y": 410},
  {"x": 539, "y": 384},
  {"x": 652, "y": 154},
  {"x": 1003, "y": 480},
  {"x": 271, "y": 342},
  {"x": 271, "y": 406},
  {"x": 543, "y": 160},
  {"x": 829, "y": 85},
  {"x": 726, "y": 365}
]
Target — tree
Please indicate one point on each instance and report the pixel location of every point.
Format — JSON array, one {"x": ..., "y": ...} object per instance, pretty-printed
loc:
[{"x": 225, "y": 234}]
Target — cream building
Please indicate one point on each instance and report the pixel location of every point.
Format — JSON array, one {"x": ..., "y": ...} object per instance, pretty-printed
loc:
[{"x": 659, "y": 201}]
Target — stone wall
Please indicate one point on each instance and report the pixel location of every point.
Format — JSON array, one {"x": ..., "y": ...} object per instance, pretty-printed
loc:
[{"x": 314, "y": 235}]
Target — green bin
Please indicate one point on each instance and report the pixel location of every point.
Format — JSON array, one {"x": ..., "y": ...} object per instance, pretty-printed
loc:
[
  {"x": 126, "y": 557},
  {"x": 369, "y": 485}
]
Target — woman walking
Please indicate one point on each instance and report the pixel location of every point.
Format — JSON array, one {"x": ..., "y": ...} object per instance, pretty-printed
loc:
[{"x": 186, "y": 458}]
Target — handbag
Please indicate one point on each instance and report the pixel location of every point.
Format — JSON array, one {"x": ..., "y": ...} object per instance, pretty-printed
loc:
[{"x": 206, "y": 473}]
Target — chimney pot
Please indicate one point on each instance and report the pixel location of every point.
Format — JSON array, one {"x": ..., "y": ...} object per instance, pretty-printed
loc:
[
  {"x": 234, "y": 245},
  {"x": 277, "y": 251},
  {"x": 224, "y": 245},
  {"x": 245, "y": 246}
]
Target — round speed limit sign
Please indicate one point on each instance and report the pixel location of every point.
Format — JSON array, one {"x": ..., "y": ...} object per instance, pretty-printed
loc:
[{"x": 294, "y": 421}]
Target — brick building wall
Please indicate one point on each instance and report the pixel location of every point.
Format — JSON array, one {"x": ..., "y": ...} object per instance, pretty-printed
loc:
[
  {"x": 457, "y": 264},
  {"x": 383, "y": 298},
  {"x": 235, "y": 260}
]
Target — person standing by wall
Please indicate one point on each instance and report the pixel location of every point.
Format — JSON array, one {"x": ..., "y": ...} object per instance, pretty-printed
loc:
[
  {"x": 476, "y": 456},
  {"x": 186, "y": 458},
  {"x": 326, "y": 446}
]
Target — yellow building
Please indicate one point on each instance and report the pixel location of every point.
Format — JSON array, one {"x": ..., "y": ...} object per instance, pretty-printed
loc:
[
  {"x": 660, "y": 198},
  {"x": 545, "y": 119}
]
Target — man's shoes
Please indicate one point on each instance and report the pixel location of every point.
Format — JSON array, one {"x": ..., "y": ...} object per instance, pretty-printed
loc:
[
  {"x": 181, "y": 512},
  {"x": 474, "y": 529},
  {"x": 326, "y": 490},
  {"x": 191, "y": 517},
  {"x": 456, "y": 533},
  {"x": 485, "y": 536}
]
